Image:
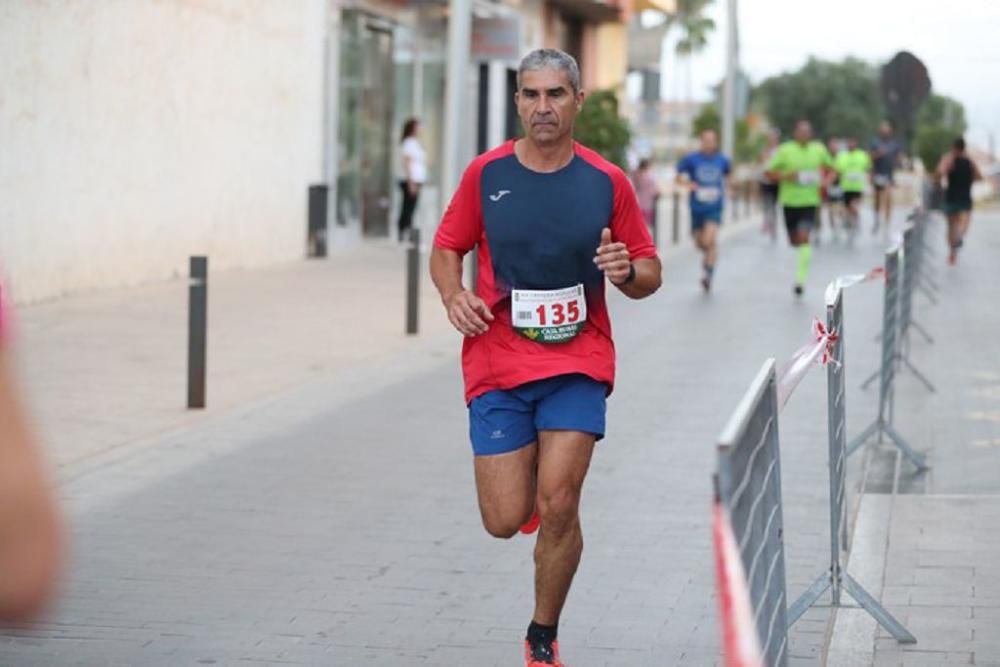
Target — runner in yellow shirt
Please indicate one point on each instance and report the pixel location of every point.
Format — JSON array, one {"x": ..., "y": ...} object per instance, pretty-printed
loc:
[
  {"x": 800, "y": 166},
  {"x": 854, "y": 167}
]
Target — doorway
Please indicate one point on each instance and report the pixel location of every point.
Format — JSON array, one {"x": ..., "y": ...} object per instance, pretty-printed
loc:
[{"x": 364, "y": 177}]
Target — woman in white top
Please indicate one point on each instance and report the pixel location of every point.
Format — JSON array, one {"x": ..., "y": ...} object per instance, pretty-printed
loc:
[{"x": 413, "y": 176}]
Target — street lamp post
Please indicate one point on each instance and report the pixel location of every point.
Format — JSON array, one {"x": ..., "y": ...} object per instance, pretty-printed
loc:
[{"x": 729, "y": 85}]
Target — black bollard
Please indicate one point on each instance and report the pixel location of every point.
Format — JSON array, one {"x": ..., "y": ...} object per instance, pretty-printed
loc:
[
  {"x": 656, "y": 221},
  {"x": 316, "y": 234},
  {"x": 413, "y": 282},
  {"x": 197, "y": 331}
]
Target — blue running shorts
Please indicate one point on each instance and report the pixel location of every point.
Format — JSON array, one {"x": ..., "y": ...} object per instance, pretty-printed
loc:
[
  {"x": 700, "y": 218},
  {"x": 502, "y": 421}
]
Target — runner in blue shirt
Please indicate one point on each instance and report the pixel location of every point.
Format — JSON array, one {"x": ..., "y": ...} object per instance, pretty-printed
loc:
[
  {"x": 885, "y": 154},
  {"x": 706, "y": 173}
]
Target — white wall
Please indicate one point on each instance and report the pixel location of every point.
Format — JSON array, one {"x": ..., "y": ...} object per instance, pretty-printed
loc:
[{"x": 134, "y": 133}]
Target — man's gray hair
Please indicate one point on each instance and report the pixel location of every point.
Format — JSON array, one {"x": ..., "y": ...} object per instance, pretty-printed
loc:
[{"x": 541, "y": 59}]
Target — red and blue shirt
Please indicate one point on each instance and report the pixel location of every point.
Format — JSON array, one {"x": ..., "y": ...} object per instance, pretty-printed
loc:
[{"x": 540, "y": 231}]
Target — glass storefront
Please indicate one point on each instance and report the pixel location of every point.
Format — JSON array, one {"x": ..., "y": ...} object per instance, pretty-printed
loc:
[
  {"x": 391, "y": 68},
  {"x": 366, "y": 110}
]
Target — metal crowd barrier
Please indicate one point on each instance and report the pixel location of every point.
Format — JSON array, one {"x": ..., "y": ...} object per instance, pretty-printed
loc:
[
  {"x": 749, "y": 484},
  {"x": 912, "y": 263},
  {"x": 926, "y": 274},
  {"x": 889, "y": 363},
  {"x": 836, "y": 579}
]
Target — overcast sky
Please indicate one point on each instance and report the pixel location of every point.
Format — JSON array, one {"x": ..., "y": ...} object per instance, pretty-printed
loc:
[{"x": 958, "y": 40}]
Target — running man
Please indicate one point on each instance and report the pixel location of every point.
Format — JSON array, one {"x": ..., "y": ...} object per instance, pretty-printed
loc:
[
  {"x": 853, "y": 165},
  {"x": 706, "y": 173},
  {"x": 832, "y": 194},
  {"x": 552, "y": 222},
  {"x": 885, "y": 154},
  {"x": 800, "y": 166},
  {"x": 769, "y": 189},
  {"x": 960, "y": 173}
]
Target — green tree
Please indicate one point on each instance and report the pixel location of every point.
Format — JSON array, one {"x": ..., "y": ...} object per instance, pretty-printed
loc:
[
  {"x": 707, "y": 119},
  {"x": 600, "y": 127},
  {"x": 840, "y": 99},
  {"x": 694, "y": 29},
  {"x": 940, "y": 121}
]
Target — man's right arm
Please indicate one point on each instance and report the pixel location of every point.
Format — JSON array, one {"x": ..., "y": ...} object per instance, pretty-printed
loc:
[
  {"x": 467, "y": 312},
  {"x": 459, "y": 233}
]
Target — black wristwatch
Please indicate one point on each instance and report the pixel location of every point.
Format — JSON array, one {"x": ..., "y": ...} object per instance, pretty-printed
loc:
[{"x": 631, "y": 276}]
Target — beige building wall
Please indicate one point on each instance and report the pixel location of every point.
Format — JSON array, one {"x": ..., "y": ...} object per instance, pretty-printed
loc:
[
  {"x": 611, "y": 56},
  {"x": 136, "y": 133}
]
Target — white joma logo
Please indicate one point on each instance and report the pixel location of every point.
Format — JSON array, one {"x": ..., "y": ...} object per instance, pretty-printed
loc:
[{"x": 499, "y": 195}]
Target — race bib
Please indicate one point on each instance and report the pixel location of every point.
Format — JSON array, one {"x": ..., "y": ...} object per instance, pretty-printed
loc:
[
  {"x": 855, "y": 176},
  {"x": 808, "y": 177},
  {"x": 881, "y": 180},
  {"x": 707, "y": 195},
  {"x": 549, "y": 316}
]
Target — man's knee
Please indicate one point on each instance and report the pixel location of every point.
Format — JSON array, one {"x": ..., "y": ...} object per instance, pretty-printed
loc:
[
  {"x": 502, "y": 527},
  {"x": 503, "y": 522},
  {"x": 558, "y": 509}
]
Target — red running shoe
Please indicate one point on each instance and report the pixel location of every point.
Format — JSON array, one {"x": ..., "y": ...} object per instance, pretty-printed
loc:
[
  {"x": 532, "y": 524},
  {"x": 542, "y": 655}
]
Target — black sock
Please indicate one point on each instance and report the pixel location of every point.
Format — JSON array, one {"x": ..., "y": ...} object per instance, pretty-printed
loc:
[{"x": 539, "y": 634}]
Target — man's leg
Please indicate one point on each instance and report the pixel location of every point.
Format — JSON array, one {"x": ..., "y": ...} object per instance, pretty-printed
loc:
[
  {"x": 853, "y": 217},
  {"x": 879, "y": 196},
  {"x": 697, "y": 234},
  {"x": 887, "y": 203},
  {"x": 799, "y": 222},
  {"x": 710, "y": 234},
  {"x": 563, "y": 460},
  {"x": 963, "y": 226},
  {"x": 506, "y": 487},
  {"x": 952, "y": 219},
  {"x": 770, "y": 202}
]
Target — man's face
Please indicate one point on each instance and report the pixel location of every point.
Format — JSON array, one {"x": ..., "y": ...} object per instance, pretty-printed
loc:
[
  {"x": 885, "y": 131},
  {"x": 547, "y": 105},
  {"x": 709, "y": 142},
  {"x": 852, "y": 144},
  {"x": 803, "y": 132}
]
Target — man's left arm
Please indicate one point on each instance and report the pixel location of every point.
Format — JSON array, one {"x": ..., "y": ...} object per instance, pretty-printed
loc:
[{"x": 636, "y": 278}]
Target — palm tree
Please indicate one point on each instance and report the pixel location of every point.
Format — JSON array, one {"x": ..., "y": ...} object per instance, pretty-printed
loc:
[{"x": 695, "y": 27}]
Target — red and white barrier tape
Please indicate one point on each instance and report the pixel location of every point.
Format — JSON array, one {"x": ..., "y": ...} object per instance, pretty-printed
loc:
[
  {"x": 820, "y": 351},
  {"x": 843, "y": 282},
  {"x": 741, "y": 645}
]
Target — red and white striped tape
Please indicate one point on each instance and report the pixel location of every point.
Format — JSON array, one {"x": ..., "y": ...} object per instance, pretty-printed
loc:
[
  {"x": 740, "y": 643},
  {"x": 843, "y": 282},
  {"x": 820, "y": 351}
]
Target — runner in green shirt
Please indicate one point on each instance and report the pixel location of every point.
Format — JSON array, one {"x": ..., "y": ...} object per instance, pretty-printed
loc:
[
  {"x": 801, "y": 166},
  {"x": 854, "y": 166}
]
